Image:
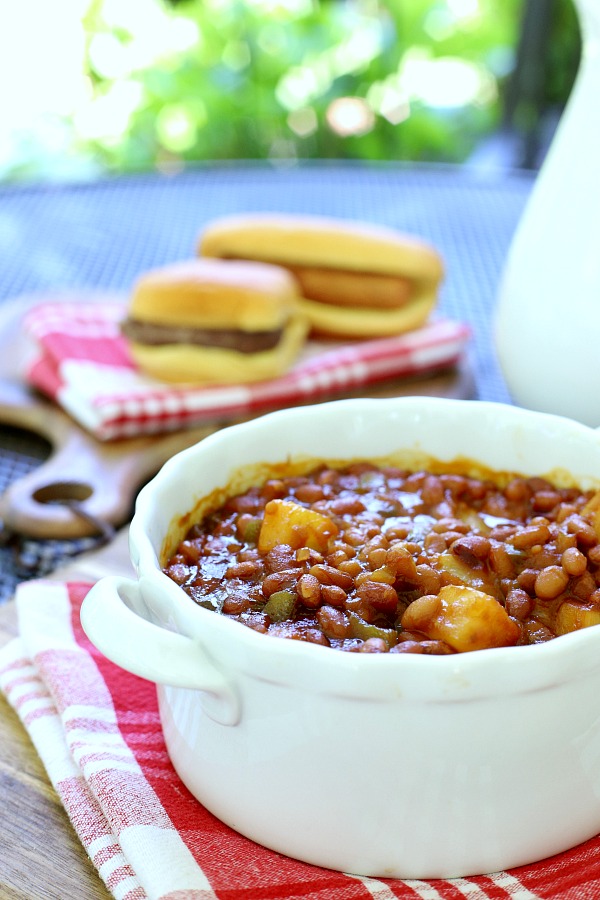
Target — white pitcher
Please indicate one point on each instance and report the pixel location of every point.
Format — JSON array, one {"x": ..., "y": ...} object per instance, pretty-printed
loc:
[{"x": 548, "y": 306}]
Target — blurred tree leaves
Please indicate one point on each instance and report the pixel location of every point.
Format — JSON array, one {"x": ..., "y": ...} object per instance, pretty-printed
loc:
[
  {"x": 262, "y": 76},
  {"x": 171, "y": 82}
]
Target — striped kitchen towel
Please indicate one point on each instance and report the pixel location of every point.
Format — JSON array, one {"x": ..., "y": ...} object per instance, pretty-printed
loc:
[
  {"x": 97, "y": 730},
  {"x": 83, "y": 363}
]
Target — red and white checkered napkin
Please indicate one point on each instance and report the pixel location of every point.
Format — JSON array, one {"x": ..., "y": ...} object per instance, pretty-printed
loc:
[
  {"x": 97, "y": 730},
  {"x": 84, "y": 364}
]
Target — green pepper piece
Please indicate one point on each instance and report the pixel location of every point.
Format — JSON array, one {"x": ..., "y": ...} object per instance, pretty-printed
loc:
[
  {"x": 363, "y": 630},
  {"x": 251, "y": 530},
  {"x": 280, "y": 606}
]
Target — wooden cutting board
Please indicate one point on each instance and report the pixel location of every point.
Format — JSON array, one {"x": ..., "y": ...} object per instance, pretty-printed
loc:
[
  {"x": 99, "y": 479},
  {"x": 85, "y": 482}
]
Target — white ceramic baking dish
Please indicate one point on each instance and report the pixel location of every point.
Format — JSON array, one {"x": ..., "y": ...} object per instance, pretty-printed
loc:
[{"x": 377, "y": 764}]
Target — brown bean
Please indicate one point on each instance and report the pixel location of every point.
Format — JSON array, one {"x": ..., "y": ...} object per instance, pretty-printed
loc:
[
  {"x": 455, "y": 484},
  {"x": 178, "y": 572},
  {"x": 449, "y": 523},
  {"x": 374, "y": 645},
  {"x": 526, "y": 580},
  {"x": 352, "y": 568},
  {"x": 517, "y": 490},
  {"x": 361, "y": 608},
  {"x": 545, "y": 501},
  {"x": 273, "y": 489},
  {"x": 537, "y": 633},
  {"x": 594, "y": 555},
  {"x": 280, "y": 557},
  {"x": 434, "y": 542},
  {"x": 501, "y": 561},
  {"x": 550, "y": 582},
  {"x": 256, "y": 620},
  {"x": 244, "y": 570},
  {"x": 234, "y": 605},
  {"x": 336, "y": 558},
  {"x": 309, "y": 493},
  {"x": 529, "y": 536},
  {"x": 379, "y": 595},
  {"x": 346, "y": 506},
  {"x": 421, "y": 612},
  {"x": 429, "y": 581},
  {"x": 538, "y": 484},
  {"x": 502, "y": 532},
  {"x": 472, "y": 549},
  {"x": 333, "y": 622},
  {"x": 583, "y": 586},
  {"x": 546, "y": 555},
  {"x": 308, "y": 589},
  {"x": 333, "y": 595},
  {"x": 399, "y": 560},
  {"x": 408, "y": 647},
  {"x": 519, "y": 604},
  {"x": 330, "y": 575},
  {"x": 573, "y": 561},
  {"x": 306, "y": 555},
  {"x": 436, "y": 648},
  {"x": 191, "y": 551},
  {"x": 279, "y": 581},
  {"x": 432, "y": 491},
  {"x": 583, "y": 531},
  {"x": 354, "y": 537},
  {"x": 309, "y": 635},
  {"x": 244, "y": 504},
  {"x": 377, "y": 557},
  {"x": 398, "y": 532},
  {"x": 451, "y": 536}
]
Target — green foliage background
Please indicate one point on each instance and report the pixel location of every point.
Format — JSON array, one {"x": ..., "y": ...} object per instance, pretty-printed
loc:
[{"x": 254, "y": 67}]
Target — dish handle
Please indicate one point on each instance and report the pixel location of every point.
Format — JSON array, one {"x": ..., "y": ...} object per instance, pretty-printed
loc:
[{"x": 115, "y": 618}]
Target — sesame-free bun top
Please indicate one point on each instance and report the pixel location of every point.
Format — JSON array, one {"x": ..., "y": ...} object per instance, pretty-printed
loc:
[
  {"x": 289, "y": 239},
  {"x": 215, "y": 293}
]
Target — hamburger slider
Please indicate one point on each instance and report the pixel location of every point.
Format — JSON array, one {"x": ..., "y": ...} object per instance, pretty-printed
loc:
[
  {"x": 356, "y": 279},
  {"x": 215, "y": 322}
]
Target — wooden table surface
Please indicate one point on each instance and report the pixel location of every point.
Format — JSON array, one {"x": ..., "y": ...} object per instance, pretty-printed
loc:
[{"x": 41, "y": 857}]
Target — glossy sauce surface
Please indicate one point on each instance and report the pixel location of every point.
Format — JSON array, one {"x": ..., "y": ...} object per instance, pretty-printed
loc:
[{"x": 382, "y": 559}]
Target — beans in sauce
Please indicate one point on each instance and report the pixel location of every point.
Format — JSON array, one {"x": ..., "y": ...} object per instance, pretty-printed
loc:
[{"x": 374, "y": 559}]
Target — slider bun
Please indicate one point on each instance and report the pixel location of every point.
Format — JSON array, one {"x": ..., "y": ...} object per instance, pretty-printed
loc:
[
  {"x": 328, "y": 320},
  {"x": 204, "y": 321},
  {"x": 252, "y": 296},
  {"x": 321, "y": 241}
]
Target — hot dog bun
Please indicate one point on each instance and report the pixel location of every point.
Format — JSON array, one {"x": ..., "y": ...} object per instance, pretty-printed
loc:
[
  {"x": 207, "y": 321},
  {"x": 356, "y": 279}
]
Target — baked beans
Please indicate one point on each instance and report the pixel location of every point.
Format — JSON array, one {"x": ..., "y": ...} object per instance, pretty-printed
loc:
[{"x": 375, "y": 559}]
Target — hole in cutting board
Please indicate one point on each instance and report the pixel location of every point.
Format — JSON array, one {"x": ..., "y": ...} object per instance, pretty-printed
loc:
[{"x": 63, "y": 492}]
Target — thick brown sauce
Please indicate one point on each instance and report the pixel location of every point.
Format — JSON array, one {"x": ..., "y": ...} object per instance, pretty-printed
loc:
[{"x": 380, "y": 580}]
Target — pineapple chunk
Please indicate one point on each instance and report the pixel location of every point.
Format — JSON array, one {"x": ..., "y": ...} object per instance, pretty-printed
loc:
[
  {"x": 466, "y": 619},
  {"x": 289, "y": 523},
  {"x": 573, "y": 615},
  {"x": 592, "y": 508},
  {"x": 458, "y": 572}
]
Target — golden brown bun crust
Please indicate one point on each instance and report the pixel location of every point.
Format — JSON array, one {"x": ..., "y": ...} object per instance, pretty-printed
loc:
[
  {"x": 191, "y": 364},
  {"x": 328, "y": 320},
  {"x": 215, "y": 293},
  {"x": 321, "y": 241}
]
